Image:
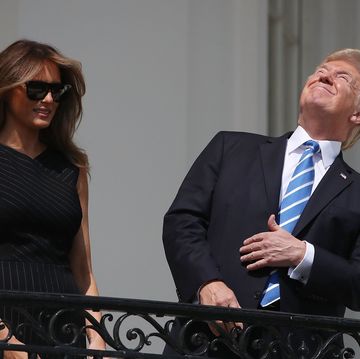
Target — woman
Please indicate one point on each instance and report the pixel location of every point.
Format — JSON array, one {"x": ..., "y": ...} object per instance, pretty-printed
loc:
[{"x": 44, "y": 235}]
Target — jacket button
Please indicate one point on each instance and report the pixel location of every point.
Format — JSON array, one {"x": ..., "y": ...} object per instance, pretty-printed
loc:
[{"x": 257, "y": 295}]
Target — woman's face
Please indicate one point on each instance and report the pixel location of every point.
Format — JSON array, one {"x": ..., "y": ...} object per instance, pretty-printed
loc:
[{"x": 38, "y": 114}]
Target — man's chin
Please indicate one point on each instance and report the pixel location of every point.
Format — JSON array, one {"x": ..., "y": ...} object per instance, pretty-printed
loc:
[{"x": 318, "y": 99}]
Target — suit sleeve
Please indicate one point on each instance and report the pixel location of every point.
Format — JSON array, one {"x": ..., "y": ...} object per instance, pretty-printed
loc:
[
  {"x": 186, "y": 224},
  {"x": 335, "y": 277}
]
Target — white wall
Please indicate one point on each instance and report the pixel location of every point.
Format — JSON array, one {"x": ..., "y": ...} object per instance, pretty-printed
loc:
[{"x": 163, "y": 77}]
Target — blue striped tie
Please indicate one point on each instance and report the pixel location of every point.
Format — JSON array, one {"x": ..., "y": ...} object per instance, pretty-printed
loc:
[{"x": 293, "y": 203}]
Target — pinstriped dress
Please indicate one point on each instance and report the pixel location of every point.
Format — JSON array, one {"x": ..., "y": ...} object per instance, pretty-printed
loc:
[{"x": 40, "y": 215}]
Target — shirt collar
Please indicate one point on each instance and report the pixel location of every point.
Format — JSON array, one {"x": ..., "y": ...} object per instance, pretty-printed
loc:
[{"x": 329, "y": 149}]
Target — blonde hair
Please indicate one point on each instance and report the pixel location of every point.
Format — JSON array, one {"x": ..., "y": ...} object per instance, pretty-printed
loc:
[
  {"x": 21, "y": 62},
  {"x": 351, "y": 56}
]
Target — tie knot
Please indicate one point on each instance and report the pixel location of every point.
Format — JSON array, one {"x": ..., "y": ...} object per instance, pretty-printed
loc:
[{"x": 312, "y": 146}]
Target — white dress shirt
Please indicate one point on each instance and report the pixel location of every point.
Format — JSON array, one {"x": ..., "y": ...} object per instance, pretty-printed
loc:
[{"x": 322, "y": 161}]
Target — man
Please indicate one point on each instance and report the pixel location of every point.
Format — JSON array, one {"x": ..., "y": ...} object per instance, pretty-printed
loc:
[{"x": 231, "y": 198}]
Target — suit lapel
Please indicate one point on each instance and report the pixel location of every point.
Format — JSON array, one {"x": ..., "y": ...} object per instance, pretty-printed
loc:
[
  {"x": 337, "y": 178},
  {"x": 272, "y": 156}
]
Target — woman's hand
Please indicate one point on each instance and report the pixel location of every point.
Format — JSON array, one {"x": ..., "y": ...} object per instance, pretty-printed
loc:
[
  {"x": 96, "y": 343},
  {"x": 11, "y": 354},
  {"x": 15, "y": 355}
]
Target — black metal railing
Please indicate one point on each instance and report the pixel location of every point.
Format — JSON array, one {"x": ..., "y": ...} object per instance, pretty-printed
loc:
[{"x": 56, "y": 325}]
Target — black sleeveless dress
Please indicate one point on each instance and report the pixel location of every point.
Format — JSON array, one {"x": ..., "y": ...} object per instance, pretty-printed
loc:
[{"x": 40, "y": 214}]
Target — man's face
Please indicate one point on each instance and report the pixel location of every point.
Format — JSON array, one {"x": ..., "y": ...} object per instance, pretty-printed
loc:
[{"x": 334, "y": 89}]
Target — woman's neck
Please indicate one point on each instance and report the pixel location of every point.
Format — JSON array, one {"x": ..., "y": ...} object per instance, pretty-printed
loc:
[{"x": 25, "y": 141}]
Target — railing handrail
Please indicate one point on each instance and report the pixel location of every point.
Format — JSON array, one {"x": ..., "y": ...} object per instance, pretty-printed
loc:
[{"x": 164, "y": 308}]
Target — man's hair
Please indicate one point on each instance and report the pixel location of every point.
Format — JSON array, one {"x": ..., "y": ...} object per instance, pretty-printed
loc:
[{"x": 351, "y": 56}]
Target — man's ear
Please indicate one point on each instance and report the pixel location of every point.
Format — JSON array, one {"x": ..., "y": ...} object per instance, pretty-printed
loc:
[{"x": 355, "y": 118}]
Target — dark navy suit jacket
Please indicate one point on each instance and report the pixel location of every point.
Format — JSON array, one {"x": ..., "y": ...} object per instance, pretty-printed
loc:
[{"x": 229, "y": 194}]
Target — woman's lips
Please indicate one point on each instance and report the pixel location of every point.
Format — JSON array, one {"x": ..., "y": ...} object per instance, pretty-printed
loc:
[{"x": 42, "y": 112}]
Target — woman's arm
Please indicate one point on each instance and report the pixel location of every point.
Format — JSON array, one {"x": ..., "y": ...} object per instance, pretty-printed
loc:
[{"x": 80, "y": 259}]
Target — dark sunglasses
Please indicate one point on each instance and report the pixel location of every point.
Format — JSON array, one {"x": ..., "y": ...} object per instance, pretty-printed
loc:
[{"x": 37, "y": 90}]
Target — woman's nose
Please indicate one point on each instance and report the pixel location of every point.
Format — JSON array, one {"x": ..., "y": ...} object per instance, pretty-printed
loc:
[{"x": 48, "y": 97}]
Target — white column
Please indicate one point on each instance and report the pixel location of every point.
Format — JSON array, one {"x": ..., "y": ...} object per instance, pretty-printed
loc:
[
  {"x": 284, "y": 45},
  {"x": 250, "y": 65}
]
